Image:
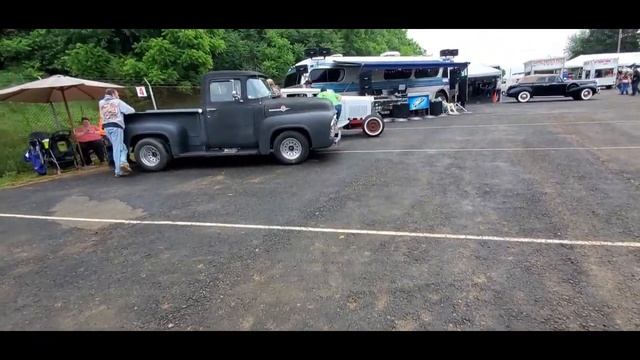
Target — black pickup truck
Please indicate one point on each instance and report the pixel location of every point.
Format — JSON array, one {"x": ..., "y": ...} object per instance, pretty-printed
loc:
[
  {"x": 239, "y": 116},
  {"x": 551, "y": 85}
]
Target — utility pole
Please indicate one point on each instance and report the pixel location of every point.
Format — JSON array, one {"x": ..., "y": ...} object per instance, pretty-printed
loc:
[{"x": 619, "y": 39}]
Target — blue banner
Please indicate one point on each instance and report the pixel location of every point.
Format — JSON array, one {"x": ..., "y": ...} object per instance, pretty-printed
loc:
[{"x": 420, "y": 102}]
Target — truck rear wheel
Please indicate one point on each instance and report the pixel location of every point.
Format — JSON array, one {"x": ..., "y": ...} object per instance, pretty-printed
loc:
[
  {"x": 291, "y": 147},
  {"x": 151, "y": 154}
]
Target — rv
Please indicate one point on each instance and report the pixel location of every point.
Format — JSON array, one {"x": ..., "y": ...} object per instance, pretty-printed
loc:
[{"x": 388, "y": 75}]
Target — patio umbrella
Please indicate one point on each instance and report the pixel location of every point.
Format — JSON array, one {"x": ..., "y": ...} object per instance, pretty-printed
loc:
[{"x": 57, "y": 88}]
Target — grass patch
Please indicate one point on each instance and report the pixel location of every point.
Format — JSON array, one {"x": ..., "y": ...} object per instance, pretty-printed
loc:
[
  {"x": 18, "y": 120},
  {"x": 13, "y": 179}
]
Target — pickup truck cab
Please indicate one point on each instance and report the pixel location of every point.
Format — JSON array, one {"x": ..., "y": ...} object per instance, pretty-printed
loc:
[
  {"x": 551, "y": 85},
  {"x": 239, "y": 116}
]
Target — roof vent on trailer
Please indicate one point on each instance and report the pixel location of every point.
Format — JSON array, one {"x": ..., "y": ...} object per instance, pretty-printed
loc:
[{"x": 391, "y": 53}]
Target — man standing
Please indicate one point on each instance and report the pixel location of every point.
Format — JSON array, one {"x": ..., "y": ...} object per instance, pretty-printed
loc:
[
  {"x": 333, "y": 97},
  {"x": 112, "y": 110},
  {"x": 635, "y": 80}
]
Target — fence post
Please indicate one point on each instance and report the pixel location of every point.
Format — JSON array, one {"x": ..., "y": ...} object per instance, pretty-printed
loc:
[{"x": 151, "y": 93}]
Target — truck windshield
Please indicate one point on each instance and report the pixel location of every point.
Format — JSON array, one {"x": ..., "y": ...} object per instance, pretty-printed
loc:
[{"x": 258, "y": 88}]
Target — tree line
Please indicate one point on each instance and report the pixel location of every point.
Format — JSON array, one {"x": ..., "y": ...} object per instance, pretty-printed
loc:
[
  {"x": 180, "y": 56},
  {"x": 597, "y": 41}
]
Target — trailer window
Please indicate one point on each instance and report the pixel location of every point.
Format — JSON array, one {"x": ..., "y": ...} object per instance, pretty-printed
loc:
[
  {"x": 426, "y": 73},
  {"x": 603, "y": 73},
  {"x": 222, "y": 90},
  {"x": 398, "y": 74},
  {"x": 326, "y": 75}
]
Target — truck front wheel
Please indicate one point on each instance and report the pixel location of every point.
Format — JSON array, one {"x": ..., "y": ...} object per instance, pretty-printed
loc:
[
  {"x": 151, "y": 154},
  {"x": 291, "y": 147}
]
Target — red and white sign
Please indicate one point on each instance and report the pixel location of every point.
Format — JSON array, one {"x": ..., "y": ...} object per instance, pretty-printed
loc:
[
  {"x": 142, "y": 91},
  {"x": 544, "y": 64},
  {"x": 601, "y": 63}
]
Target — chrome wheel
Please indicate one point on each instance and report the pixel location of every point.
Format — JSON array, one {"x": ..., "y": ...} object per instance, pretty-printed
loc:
[
  {"x": 149, "y": 156},
  {"x": 291, "y": 148}
]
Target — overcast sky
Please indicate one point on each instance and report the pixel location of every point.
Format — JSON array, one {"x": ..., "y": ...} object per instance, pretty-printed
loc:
[{"x": 507, "y": 48}]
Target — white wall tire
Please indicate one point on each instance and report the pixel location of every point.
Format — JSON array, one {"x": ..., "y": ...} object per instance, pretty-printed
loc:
[
  {"x": 523, "y": 97},
  {"x": 373, "y": 126},
  {"x": 586, "y": 94}
]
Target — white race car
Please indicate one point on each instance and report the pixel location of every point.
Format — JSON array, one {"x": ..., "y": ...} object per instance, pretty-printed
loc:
[{"x": 357, "y": 111}]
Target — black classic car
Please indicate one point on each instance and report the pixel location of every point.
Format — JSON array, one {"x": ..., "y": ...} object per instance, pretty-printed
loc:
[
  {"x": 551, "y": 85},
  {"x": 239, "y": 116}
]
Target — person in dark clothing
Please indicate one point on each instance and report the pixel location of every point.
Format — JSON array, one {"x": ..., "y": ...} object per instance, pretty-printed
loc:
[
  {"x": 465, "y": 90},
  {"x": 635, "y": 80}
]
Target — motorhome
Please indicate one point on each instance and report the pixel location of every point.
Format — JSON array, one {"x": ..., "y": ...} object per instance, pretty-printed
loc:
[{"x": 386, "y": 75}]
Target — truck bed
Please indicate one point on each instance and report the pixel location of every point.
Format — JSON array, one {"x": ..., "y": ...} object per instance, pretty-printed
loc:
[{"x": 164, "y": 122}]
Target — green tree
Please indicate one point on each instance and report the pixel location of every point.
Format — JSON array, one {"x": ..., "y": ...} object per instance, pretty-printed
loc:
[
  {"x": 595, "y": 41},
  {"x": 89, "y": 61},
  {"x": 178, "y": 57},
  {"x": 276, "y": 55},
  {"x": 181, "y": 56}
]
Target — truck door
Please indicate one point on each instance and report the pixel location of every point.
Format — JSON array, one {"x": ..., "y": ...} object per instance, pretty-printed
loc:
[{"x": 229, "y": 118}]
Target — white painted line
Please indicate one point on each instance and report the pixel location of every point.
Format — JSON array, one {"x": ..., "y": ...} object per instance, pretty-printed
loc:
[
  {"x": 487, "y": 149},
  {"x": 526, "y": 113},
  {"x": 635, "y": 122},
  {"x": 330, "y": 230}
]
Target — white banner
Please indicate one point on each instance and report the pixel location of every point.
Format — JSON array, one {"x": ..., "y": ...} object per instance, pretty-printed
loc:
[{"x": 601, "y": 63}]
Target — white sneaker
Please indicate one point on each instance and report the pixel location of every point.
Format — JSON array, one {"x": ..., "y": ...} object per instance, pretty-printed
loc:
[{"x": 125, "y": 168}]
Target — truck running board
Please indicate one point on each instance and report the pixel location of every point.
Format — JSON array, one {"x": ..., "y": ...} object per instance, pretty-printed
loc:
[{"x": 219, "y": 152}]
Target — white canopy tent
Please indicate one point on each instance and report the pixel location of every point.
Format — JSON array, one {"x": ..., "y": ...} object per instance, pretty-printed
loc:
[
  {"x": 479, "y": 71},
  {"x": 624, "y": 59}
]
